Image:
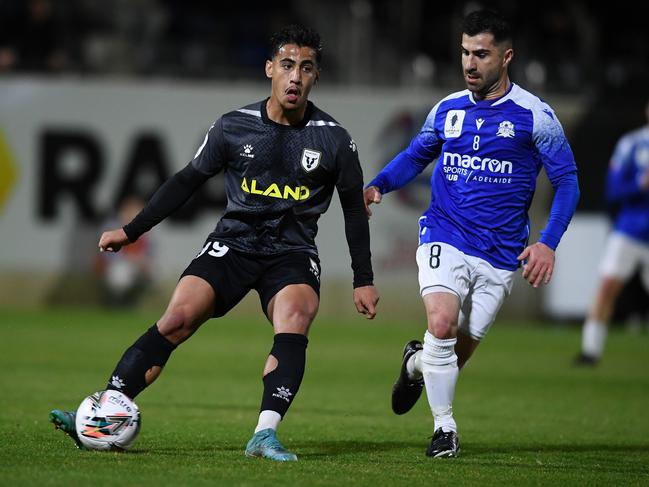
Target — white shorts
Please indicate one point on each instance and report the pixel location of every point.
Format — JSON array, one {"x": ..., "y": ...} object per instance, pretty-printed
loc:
[
  {"x": 623, "y": 256},
  {"x": 481, "y": 287}
]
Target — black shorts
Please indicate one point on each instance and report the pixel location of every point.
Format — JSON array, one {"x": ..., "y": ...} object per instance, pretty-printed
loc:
[{"x": 233, "y": 274}]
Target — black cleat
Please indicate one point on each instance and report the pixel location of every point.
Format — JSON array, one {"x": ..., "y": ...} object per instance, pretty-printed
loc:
[
  {"x": 444, "y": 444},
  {"x": 585, "y": 360},
  {"x": 406, "y": 391}
]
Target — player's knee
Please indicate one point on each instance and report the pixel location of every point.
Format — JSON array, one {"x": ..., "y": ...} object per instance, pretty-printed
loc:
[
  {"x": 611, "y": 287},
  {"x": 178, "y": 323},
  {"x": 442, "y": 326},
  {"x": 297, "y": 316}
]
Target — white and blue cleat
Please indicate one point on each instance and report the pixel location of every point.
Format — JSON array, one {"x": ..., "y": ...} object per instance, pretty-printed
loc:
[
  {"x": 265, "y": 444},
  {"x": 65, "y": 421}
]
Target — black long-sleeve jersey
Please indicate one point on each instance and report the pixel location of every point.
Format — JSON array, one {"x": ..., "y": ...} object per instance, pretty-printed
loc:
[{"x": 279, "y": 179}]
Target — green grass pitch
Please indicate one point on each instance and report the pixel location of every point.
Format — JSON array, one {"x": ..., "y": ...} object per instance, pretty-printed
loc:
[{"x": 526, "y": 416}]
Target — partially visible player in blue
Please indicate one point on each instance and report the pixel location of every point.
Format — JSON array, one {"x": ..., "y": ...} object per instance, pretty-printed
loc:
[
  {"x": 627, "y": 248},
  {"x": 490, "y": 141}
]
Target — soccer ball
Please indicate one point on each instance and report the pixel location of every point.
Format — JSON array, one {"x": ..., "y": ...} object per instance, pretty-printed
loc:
[{"x": 108, "y": 420}]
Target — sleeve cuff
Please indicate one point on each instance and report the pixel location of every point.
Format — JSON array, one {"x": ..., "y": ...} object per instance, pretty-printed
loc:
[
  {"x": 132, "y": 236},
  {"x": 363, "y": 282},
  {"x": 550, "y": 240},
  {"x": 379, "y": 183}
]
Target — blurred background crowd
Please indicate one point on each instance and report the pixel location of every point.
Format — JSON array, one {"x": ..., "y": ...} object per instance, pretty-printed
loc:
[
  {"x": 569, "y": 46},
  {"x": 589, "y": 57}
]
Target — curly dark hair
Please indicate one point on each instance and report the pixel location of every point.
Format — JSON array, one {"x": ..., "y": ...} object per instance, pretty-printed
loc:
[
  {"x": 298, "y": 35},
  {"x": 487, "y": 21}
]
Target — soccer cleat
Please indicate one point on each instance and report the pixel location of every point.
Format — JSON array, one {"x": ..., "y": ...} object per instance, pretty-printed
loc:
[
  {"x": 585, "y": 360},
  {"x": 265, "y": 444},
  {"x": 65, "y": 421},
  {"x": 406, "y": 391},
  {"x": 444, "y": 444}
]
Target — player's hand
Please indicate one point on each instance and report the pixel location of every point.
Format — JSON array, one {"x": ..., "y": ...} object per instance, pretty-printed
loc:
[
  {"x": 539, "y": 263},
  {"x": 371, "y": 195},
  {"x": 113, "y": 240},
  {"x": 365, "y": 299}
]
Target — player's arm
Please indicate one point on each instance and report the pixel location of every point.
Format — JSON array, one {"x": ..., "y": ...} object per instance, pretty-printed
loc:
[
  {"x": 172, "y": 194},
  {"x": 406, "y": 165},
  {"x": 624, "y": 182},
  {"x": 539, "y": 257},
  {"x": 357, "y": 232},
  {"x": 561, "y": 169}
]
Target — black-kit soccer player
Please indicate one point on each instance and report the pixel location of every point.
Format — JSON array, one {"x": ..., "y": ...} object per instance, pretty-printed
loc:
[{"x": 281, "y": 159}]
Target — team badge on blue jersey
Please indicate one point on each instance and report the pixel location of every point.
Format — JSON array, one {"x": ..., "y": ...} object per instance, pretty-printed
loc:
[
  {"x": 506, "y": 129},
  {"x": 453, "y": 124},
  {"x": 310, "y": 159}
]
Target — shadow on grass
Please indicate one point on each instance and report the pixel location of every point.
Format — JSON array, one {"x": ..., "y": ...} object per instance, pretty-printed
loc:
[
  {"x": 500, "y": 455},
  {"x": 315, "y": 449},
  {"x": 308, "y": 449},
  {"x": 513, "y": 449}
]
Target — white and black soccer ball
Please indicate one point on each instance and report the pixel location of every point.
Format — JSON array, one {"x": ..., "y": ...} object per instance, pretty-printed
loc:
[{"x": 108, "y": 420}]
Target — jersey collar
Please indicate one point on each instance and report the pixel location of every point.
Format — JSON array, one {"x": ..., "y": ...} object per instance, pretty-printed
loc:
[
  {"x": 302, "y": 123},
  {"x": 495, "y": 101}
]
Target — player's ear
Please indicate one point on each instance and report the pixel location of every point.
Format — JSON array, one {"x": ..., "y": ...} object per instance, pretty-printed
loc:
[
  {"x": 269, "y": 68},
  {"x": 507, "y": 58}
]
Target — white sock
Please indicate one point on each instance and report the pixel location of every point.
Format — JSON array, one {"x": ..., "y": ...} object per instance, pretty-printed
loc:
[
  {"x": 413, "y": 365},
  {"x": 439, "y": 367},
  {"x": 593, "y": 336},
  {"x": 268, "y": 419}
]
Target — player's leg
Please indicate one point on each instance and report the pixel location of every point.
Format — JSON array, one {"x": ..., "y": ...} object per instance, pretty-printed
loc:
[
  {"x": 291, "y": 310},
  {"x": 440, "y": 271},
  {"x": 440, "y": 369},
  {"x": 489, "y": 287},
  {"x": 464, "y": 348},
  {"x": 457, "y": 321},
  {"x": 411, "y": 379},
  {"x": 215, "y": 281},
  {"x": 191, "y": 304},
  {"x": 211, "y": 285},
  {"x": 620, "y": 260},
  {"x": 595, "y": 328},
  {"x": 444, "y": 283},
  {"x": 294, "y": 287}
]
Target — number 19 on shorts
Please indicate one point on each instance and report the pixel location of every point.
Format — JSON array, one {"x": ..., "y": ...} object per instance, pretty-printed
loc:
[{"x": 215, "y": 249}]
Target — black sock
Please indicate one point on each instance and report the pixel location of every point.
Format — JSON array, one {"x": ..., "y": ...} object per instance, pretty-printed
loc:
[
  {"x": 149, "y": 350},
  {"x": 281, "y": 385}
]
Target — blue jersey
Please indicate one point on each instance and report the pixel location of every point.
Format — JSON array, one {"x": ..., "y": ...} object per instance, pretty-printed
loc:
[
  {"x": 629, "y": 163},
  {"x": 489, "y": 154}
]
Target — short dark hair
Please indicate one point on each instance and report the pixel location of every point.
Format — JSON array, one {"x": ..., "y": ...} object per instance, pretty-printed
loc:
[
  {"x": 487, "y": 21},
  {"x": 298, "y": 35}
]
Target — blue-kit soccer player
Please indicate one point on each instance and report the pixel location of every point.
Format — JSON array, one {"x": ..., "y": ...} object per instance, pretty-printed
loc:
[
  {"x": 490, "y": 142},
  {"x": 627, "y": 248}
]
